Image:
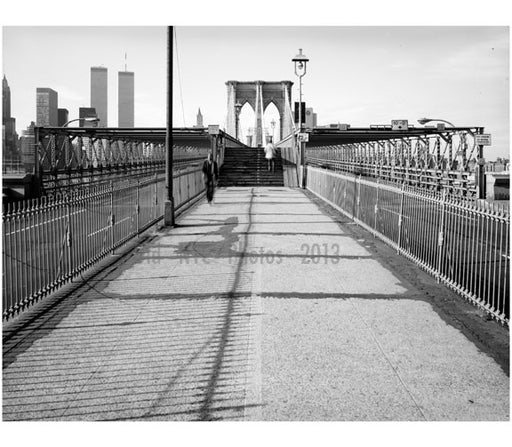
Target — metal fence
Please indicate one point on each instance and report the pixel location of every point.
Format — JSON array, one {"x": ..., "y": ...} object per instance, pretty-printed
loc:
[
  {"x": 464, "y": 243},
  {"x": 49, "y": 241}
]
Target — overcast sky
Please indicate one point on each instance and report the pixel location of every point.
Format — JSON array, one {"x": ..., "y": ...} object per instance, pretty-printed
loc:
[{"x": 356, "y": 75}]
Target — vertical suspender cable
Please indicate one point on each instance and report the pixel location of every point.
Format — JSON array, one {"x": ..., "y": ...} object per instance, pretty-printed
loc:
[{"x": 179, "y": 76}]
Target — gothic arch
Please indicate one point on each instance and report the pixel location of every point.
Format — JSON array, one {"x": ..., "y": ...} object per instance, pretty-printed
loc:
[
  {"x": 272, "y": 113},
  {"x": 245, "y": 123},
  {"x": 259, "y": 94}
]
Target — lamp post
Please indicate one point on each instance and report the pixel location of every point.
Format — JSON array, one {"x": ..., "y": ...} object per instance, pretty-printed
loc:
[
  {"x": 428, "y": 120},
  {"x": 300, "y": 61},
  {"x": 88, "y": 119},
  {"x": 273, "y": 125},
  {"x": 238, "y": 108},
  {"x": 424, "y": 121}
]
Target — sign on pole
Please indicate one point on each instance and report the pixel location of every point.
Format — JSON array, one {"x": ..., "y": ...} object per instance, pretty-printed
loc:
[
  {"x": 213, "y": 129},
  {"x": 399, "y": 124},
  {"x": 483, "y": 139},
  {"x": 302, "y": 112},
  {"x": 303, "y": 137}
]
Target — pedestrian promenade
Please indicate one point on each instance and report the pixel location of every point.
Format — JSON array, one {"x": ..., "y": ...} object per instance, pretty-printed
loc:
[{"x": 261, "y": 307}]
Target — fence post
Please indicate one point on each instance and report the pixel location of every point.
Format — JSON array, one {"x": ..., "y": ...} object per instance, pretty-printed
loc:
[
  {"x": 181, "y": 187},
  {"x": 400, "y": 217},
  {"x": 112, "y": 217},
  {"x": 69, "y": 237},
  {"x": 156, "y": 195},
  {"x": 358, "y": 192},
  {"x": 354, "y": 199},
  {"x": 137, "y": 208},
  {"x": 376, "y": 208},
  {"x": 440, "y": 238}
]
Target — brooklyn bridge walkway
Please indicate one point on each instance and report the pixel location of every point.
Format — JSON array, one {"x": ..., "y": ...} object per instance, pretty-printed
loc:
[{"x": 267, "y": 305}]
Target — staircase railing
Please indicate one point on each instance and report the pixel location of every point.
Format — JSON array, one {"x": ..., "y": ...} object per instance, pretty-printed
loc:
[{"x": 290, "y": 152}]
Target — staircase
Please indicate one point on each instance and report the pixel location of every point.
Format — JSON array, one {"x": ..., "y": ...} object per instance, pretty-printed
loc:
[{"x": 248, "y": 167}]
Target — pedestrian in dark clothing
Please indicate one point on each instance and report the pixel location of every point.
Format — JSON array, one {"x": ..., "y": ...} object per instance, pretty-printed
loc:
[{"x": 210, "y": 176}]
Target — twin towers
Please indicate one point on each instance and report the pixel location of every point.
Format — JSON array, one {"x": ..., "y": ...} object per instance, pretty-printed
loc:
[
  {"x": 99, "y": 96},
  {"x": 259, "y": 94}
]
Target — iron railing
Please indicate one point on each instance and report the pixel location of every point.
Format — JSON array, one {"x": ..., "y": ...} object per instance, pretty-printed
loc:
[
  {"x": 464, "y": 243},
  {"x": 290, "y": 156},
  {"x": 49, "y": 241},
  {"x": 12, "y": 167}
]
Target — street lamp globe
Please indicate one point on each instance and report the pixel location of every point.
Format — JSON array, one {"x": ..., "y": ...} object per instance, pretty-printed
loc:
[
  {"x": 273, "y": 125},
  {"x": 300, "y": 61},
  {"x": 238, "y": 108}
]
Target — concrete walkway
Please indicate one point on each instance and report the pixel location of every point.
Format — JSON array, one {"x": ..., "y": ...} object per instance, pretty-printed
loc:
[{"x": 260, "y": 307}]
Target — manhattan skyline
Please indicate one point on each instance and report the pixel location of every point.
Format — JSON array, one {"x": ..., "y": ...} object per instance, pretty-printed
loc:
[{"x": 356, "y": 75}]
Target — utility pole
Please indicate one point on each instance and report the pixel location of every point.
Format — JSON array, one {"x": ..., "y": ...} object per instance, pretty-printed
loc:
[
  {"x": 480, "y": 168},
  {"x": 169, "y": 200},
  {"x": 302, "y": 144},
  {"x": 300, "y": 62}
]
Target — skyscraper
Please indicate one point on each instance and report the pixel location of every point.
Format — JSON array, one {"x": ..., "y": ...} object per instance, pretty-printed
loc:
[
  {"x": 47, "y": 114},
  {"x": 311, "y": 118},
  {"x": 27, "y": 144},
  {"x": 63, "y": 117},
  {"x": 99, "y": 94},
  {"x": 9, "y": 136},
  {"x": 199, "y": 119},
  {"x": 6, "y": 98},
  {"x": 126, "y": 99}
]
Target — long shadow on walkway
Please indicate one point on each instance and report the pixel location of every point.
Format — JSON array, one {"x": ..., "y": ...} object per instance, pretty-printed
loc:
[{"x": 158, "y": 343}]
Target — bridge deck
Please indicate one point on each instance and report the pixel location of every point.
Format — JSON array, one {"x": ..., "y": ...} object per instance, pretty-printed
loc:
[{"x": 230, "y": 317}]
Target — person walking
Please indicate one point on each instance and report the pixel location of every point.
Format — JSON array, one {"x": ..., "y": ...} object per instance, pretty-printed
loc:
[
  {"x": 210, "y": 176},
  {"x": 269, "y": 155}
]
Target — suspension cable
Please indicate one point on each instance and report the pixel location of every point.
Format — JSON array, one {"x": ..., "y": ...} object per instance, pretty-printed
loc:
[
  {"x": 179, "y": 76},
  {"x": 262, "y": 108}
]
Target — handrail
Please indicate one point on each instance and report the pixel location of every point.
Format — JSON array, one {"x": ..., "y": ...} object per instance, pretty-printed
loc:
[{"x": 463, "y": 243}]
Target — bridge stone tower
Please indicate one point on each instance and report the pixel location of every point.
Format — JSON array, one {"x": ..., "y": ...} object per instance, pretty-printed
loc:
[{"x": 259, "y": 94}]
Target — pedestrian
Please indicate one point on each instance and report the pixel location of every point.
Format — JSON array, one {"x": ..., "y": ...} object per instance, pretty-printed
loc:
[
  {"x": 210, "y": 176},
  {"x": 269, "y": 155}
]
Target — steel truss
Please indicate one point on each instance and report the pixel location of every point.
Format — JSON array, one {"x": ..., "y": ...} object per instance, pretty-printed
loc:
[
  {"x": 83, "y": 156},
  {"x": 447, "y": 159}
]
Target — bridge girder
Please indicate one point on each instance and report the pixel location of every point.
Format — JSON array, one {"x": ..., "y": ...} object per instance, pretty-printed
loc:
[
  {"x": 426, "y": 157},
  {"x": 65, "y": 156}
]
